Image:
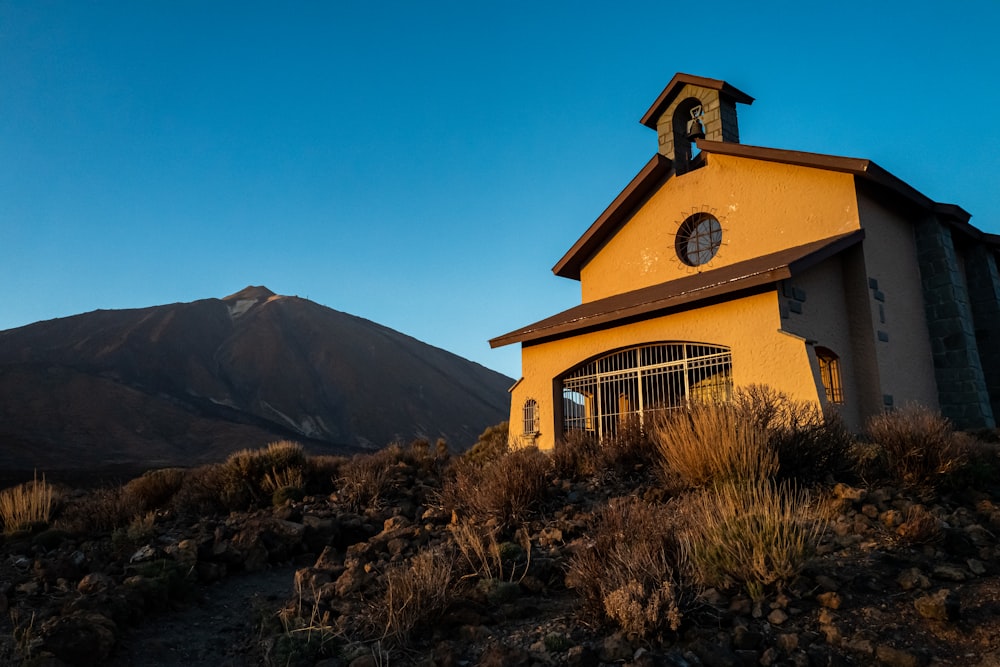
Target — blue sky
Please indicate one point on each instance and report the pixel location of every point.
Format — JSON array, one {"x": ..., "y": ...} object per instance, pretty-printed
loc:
[{"x": 424, "y": 165}]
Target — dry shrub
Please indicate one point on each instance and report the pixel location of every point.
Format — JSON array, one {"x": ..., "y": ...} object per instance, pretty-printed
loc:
[
  {"x": 916, "y": 447},
  {"x": 493, "y": 443},
  {"x": 810, "y": 442},
  {"x": 244, "y": 472},
  {"x": 713, "y": 442},
  {"x": 102, "y": 510},
  {"x": 154, "y": 489},
  {"x": 755, "y": 533},
  {"x": 629, "y": 572},
  {"x": 416, "y": 594},
  {"x": 577, "y": 454},
  {"x": 202, "y": 491},
  {"x": 366, "y": 480},
  {"x": 321, "y": 471},
  {"x": 26, "y": 505},
  {"x": 504, "y": 491}
]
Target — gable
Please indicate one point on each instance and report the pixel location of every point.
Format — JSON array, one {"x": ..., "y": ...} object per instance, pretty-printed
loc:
[{"x": 762, "y": 208}]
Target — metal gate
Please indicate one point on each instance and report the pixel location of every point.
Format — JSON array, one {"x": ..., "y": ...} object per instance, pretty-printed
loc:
[{"x": 603, "y": 393}]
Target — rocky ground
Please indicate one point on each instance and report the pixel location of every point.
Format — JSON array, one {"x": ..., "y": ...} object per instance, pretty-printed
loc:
[{"x": 897, "y": 580}]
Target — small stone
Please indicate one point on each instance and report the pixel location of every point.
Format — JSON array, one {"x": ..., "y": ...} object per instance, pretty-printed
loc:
[
  {"x": 891, "y": 518},
  {"x": 950, "y": 572},
  {"x": 976, "y": 567},
  {"x": 870, "y": 511},
  {"x": 826, "y": 617},
  {"x": 830, "y": 599},
  {"x": 777, "y": 617},
  {"x": 769, "y": 657},
  {"x": 893, "y": 657},
  {"x": 95, "y": 582},
  {"x": 746, "y": 639},
  {"x": 845, "y": 492},
  {"x": 941, "y": 606},
  {"x": 913, "y": 578},
  {"x": 832, "y": 634},
  {"x": 581, "y": 656},
  {"x": 615, "y": 648},
  {"x": 827, "y": 583},
  {"x": 787, "y": 642}
]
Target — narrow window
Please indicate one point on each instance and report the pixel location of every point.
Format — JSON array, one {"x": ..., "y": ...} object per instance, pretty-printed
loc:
[
  {"x": 530, "y": 415},
  {"x": 829, "y": 371}
]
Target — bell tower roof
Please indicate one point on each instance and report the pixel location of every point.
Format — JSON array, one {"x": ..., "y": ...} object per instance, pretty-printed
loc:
[{"x": 693, "y": 107}]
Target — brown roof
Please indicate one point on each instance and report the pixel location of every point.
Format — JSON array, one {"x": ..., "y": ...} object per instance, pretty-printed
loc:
[
  {"x": 683, "y": 293},
  {"x": 647, "y": 180},
  {"x": 674, "y": 87}
]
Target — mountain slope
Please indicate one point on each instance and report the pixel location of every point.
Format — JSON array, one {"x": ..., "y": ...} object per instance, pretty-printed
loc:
[{"x": 191, "y": 382}]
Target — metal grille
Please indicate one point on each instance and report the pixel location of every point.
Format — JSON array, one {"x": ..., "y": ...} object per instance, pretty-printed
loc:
[
  {"x": 829, "y": 370},
  {"x": 606, "y": 392},
  {"x": 530, "y": 416}
]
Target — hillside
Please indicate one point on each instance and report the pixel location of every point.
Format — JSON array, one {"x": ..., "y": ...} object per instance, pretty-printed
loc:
[{"x": 191, "y": 382}]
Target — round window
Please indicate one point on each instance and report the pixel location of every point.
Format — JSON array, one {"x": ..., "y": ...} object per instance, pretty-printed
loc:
[{"x": 698, "y": 239}]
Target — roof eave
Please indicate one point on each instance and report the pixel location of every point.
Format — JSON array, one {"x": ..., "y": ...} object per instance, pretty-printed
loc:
[{"x": 656, "y": 170}]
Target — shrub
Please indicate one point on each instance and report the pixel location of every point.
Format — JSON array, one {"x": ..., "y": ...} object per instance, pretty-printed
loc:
[
  {"x": 756, "y": 533},
  {"x": 629, "y": 573},
  {"x": 415, "y": 594},
  {"x": 713, "y": 442},
  {"x": 154, "y": 489},
  {"x": 366, "y": 479},
  {"x": 504, "y": 490},
  {"x": 810, "y": 443},
  {"x": 245, "y": 471},
  {"x": 26, "y": 505},
  {"x": 915, "y": 447},
  {"x": 202, "y": 491},
  {"x": 577, "y": 454},
  {"x": 492, "y": 444},
  {"x": 101, "y": 510},
  {"x": 486, "y": 556}
]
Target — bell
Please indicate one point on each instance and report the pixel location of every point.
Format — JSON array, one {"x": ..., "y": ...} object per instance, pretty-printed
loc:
[{"x": 695, "y": 130}]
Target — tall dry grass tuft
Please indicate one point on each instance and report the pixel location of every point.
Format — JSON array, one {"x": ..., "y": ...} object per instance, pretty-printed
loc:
[
  {"x": 104, "y": 509},
  {"x": 754, "y": 533},
  {"x": 915, "y": 447},
  {"x": 485, "y": 556},
  {"x": 366, "y": 479},
  {"x": 504, "y": 491},
  {"x": 26, "y": 505},
  {"x": 630, "y": 572},
  {"x": 154, "y": 489},
  {"x": 416, "y": 594},
  {"x": 712, "y": 443}
]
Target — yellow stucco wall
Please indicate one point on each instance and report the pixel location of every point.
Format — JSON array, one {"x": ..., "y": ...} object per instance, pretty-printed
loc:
[
  {"x": 749, "y": 326},
  {"x": 825, "y": 321},
  {"x": 906, "y": 367},
  {"x": 763, "y": 207}
]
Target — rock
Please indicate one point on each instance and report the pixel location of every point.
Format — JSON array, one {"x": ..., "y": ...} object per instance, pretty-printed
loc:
[
  {"x": 913, "y": 578},
  {"x": 746, "y": 639},
  {"x": 95, "y": 582},
  {"x": 505, "y": 656},
  {"x": 830, "y": 600},
  {"x": 891, "y": 518},
  {"x": 713, "y": 654},
  {"x": 842, "y": 491},
  {"x": 581, "y": 656},
  {"x": 827, "y": 583},
  {"x": 941, "y": 606},
  {"x": 787, "y": 641},
  {"x": 893, "y": 657},
  {"x": 82, "y": 638},
  {"x": 950, "y": 572},
  {"x": 615, "y": 648},
  {"x": 777, "y": 617},
  {"x": 145, "y": 554},
  {"x": 976, "y": 567}
]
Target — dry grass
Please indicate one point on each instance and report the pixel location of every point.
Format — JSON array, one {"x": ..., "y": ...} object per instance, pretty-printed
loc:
[
  {"x": 630, "y": 571},
  {"x": 485, "y": 556},
  {"x": 416, "y": 594},
  {"x": 753, "y": 533},
  {"x": 366, "y": 480},
  {"x": 504, "y": 491},
  {"x": 244, "y": 473},
  {"x": 26, "y": 505},
  {"x": 493, "y": 443},
  {"x": 915, "y": 448},
  {"x": 102, "y": 510},
  {"x": 713, "y": 443}
]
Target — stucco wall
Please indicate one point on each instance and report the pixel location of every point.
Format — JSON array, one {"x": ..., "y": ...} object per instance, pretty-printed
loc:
[
  {"x": 815, "y": 306},
  {"x": 749, "y": 326},
  {"x": 763, "y": 207},
  {"x": 905, "y": 362}
]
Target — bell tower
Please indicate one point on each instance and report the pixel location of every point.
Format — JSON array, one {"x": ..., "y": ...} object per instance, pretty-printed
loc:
[{"x": 691, "y": 108}]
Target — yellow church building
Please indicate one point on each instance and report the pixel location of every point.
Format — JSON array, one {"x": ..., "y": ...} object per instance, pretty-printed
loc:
[{"x": 722, "y": 265}]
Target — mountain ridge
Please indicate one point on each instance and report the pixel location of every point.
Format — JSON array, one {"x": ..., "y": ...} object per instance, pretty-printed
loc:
[{"x": 257, "y": 364}]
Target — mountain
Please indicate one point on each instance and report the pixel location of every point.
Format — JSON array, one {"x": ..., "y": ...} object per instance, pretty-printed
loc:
[{"x": 188, "y": 383}]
